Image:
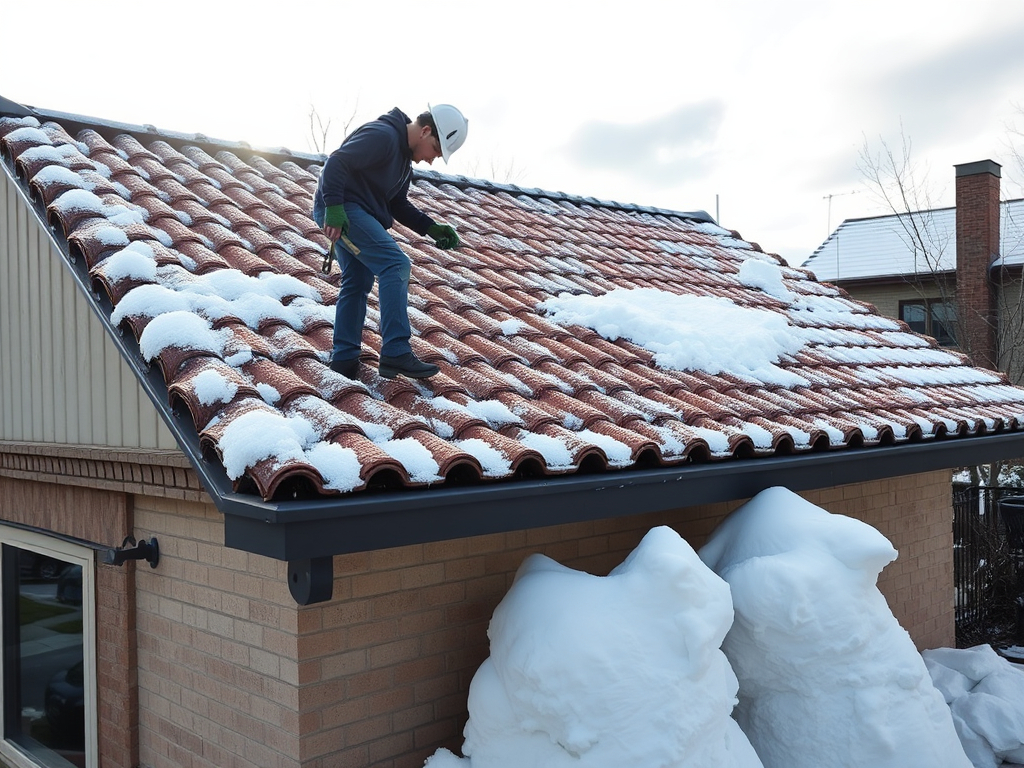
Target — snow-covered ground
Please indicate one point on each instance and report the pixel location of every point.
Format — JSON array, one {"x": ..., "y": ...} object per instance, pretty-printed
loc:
[{"x": 773, "y": 647}]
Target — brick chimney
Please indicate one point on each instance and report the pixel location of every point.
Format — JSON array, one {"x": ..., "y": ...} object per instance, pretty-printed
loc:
[{"x": 977, "y": 246}]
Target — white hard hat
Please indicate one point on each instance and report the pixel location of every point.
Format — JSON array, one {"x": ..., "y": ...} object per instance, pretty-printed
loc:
[{"x": 451, "y": 128}]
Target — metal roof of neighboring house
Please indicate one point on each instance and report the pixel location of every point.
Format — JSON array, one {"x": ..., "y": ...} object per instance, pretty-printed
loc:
[
  {"x": 891, "y": 246},
  {"x": 529, "y": 422}
]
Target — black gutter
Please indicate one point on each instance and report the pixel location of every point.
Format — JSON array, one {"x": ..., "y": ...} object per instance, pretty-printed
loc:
[{"x": 322, "y": 528}]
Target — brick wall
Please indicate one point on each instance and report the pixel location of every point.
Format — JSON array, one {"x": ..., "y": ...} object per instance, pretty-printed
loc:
[
  {"x": 217, "y": 647},
  {"x": 231, "y": 673}
]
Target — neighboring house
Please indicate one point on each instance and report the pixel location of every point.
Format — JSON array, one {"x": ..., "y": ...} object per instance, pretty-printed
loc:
[
  {"x": 951, "y": 273},
  {"x": 320, "y": 556}
]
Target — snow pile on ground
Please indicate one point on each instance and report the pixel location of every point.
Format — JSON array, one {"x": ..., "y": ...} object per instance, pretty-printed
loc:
[
  {"x": 628, "y": 669},
  {"x": 827, "y": 675},
  {"x": 607, "y": 672},
  {"x": 985, "y": 693}
]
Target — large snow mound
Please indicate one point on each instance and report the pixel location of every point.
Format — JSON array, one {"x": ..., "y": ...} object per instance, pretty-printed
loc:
[
  {"x": 985, "y": 693},
  {"x": 606, "y": 672},
  {"x": 827, "y": 675}
]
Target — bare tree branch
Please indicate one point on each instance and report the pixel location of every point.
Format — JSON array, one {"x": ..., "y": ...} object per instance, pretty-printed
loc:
[
  {"x": 318, "y": 130},
  {"x": 895, "y": 180}
]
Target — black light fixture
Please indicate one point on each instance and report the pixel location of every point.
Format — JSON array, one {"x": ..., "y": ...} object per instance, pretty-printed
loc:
[{"x": 130, "y": 550}]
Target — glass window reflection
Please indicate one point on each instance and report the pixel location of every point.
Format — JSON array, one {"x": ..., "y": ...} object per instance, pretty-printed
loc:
[{"x": 45, "y": 661}]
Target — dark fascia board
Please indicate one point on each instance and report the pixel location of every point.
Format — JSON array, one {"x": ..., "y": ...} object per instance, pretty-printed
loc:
[{"x": 296, "y": 531}]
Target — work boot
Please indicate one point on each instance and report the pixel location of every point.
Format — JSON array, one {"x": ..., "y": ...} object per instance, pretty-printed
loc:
[
  {"x": 347, "y": 368},
  {"x": 406, "y": 365}
]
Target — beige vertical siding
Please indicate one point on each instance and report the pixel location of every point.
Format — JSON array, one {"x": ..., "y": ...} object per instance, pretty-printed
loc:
[
  {"x": 886, "y": 297},
  {"x": 61, "y": 378}
]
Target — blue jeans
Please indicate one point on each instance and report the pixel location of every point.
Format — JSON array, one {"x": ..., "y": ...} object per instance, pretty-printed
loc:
[{"x": 381, "y": 258}]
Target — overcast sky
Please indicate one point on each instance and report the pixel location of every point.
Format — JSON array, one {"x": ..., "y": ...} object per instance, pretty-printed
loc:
[{"x": 764, "y": 105}]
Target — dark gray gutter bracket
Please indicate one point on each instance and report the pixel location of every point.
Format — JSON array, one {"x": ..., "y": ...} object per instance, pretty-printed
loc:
[{"x": 307, "y": 534}]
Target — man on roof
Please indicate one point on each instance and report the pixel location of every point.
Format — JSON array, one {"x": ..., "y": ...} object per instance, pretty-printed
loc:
[{"x": 363, "y": 189}]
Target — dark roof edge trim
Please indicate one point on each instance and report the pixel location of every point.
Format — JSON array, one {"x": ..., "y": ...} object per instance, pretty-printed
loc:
[
  {"x": 465, "y": 182},
  {"x": 299, "y": 530}
]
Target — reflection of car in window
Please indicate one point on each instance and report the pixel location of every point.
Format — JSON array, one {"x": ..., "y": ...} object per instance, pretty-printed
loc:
[
  {"x": 69, "y": 585},
  {"x": 65, "y": 705},
  {"x": 38, "y": 567}
]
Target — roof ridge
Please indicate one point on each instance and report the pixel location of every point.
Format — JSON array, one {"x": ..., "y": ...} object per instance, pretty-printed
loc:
[
  {"x": 465, "y": 182},
  {"x": 151, "y": 132},
  {"x": 893, "y": 215}
]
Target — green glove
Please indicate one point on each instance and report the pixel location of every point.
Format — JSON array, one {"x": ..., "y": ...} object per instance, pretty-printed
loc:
[
  {"x": 335, "y": 216},
  {"x": 444, "y": 235}
]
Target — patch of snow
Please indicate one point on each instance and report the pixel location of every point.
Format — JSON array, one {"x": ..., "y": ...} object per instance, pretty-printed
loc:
[
  {"x": 572, "y": 422},
  {"x": 182, "y": 329},
  {"x": 414, "y": 457},
  {"x": 671, "y": 445},
  {"x": 58, "y": 174},
  {"x": 75, "y": 200},
  {"x": 111, "y": 236},
  {"x": 263, "y": 434},
  {"x": 618, "y": 453},
  {"x": 494, "y": 462},
  {"x": 339, "y": 466},
  {"x": 511, "y": 326},
  {"x": 835, "y": 436},
  {"x": 494, "y": 412},
  {"x": 269, "y": 394},
  {"x": 701, "y": 333},
  {"x": 554, "y": 452},
  {"x": 441, "y": 428},
  {"x": 29, "y": 133},
  {"x": 760, "y": 436},
  {"x": 756, "y": 273},
  {"x": 134, "y": 262},
  {"x": 223, "y": 293},
  {"x": 717, "y": 442},
  {"x": 211, "y": 387},
  {"x": 985, "y": 693}
]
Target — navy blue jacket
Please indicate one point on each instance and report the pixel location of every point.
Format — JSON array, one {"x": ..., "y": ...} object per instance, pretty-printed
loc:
[{"x": 373, "y": 168}]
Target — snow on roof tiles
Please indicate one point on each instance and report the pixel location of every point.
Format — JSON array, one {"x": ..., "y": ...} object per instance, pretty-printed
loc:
[
  {"x": 921, "y": 243},
  {"x": 212, "y": 262}
]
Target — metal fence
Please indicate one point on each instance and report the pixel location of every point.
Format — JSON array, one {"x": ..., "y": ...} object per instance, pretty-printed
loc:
[{"x": 986, "y": 587}]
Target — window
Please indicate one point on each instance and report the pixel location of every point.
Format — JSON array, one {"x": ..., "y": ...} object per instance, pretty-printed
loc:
[
  {"x": 47, "y": 614},
  {"x": 932, "y": 317}
]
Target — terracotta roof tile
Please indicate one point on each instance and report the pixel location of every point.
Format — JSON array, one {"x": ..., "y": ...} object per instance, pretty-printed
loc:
[{"x": 518, "y": 395}]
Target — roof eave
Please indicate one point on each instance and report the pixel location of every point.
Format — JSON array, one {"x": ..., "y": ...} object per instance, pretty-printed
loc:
[{"x": 298, "y": 530}]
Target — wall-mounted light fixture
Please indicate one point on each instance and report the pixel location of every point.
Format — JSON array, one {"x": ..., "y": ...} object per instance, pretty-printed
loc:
[{"x": 130, "y": 550}]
